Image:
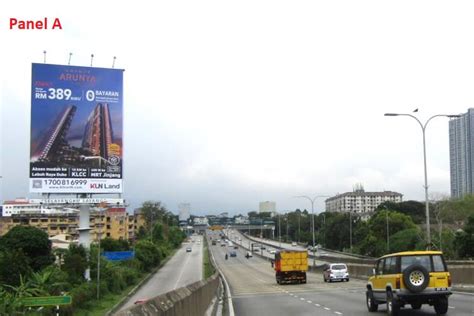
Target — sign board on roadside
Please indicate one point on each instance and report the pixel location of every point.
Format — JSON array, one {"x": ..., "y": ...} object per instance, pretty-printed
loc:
[
  {"x": 119, "y": 255},
  {"x": 46, "y": 301}
]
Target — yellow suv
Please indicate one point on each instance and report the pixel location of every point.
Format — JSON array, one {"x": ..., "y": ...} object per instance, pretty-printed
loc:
[{"x": 409, "y": 278}]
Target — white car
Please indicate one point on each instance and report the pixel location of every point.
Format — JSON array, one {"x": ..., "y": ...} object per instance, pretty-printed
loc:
[
  {"x": 293, "y": 244},
  {"x": 335, "y": 272},
  {"x": 272, "y": 251}
]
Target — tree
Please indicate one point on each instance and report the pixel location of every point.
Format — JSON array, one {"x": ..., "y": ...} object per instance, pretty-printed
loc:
[
  {"x": 75, "y": 263},
  {"x": 49, "y": 281},
  {"x": 414, "y": 209},
  {"x": 109, "y": 244},
  {"x": 176, "y": 236},
  {"x": 13, "y": 265},
  {"x": 33, "y": 242},
  {"x": 407, "y": 239},
  {"x": 157, "y": 235},
  {"x": 148, "y": 254},
  {"x": 397, "y": 222},
  {"x": 464, "y": 241},
  {"x": 152, "y": 211}
]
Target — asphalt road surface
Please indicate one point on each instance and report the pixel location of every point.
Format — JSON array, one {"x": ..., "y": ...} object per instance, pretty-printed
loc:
[
  {"x": 284, "y": 245},
  {"x": 182, "y": 269},
  {"x": 254, "y": 291}
]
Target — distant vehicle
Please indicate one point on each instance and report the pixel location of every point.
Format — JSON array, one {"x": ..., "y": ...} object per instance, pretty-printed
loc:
[
  {"x": 214, "y": 243},
  {"x": 248, "y": 255},
  {"x": 291, "y": 266},
  {"x": 233, "y": 253},
  {"x": 262, "y": 247},
  {"x": 140, "y": 301},
  {"x": 236, "y": 247},
  {"x": 272, "y": 251},
  {"x": 256, "y": 249},
  {"x": 293, "y": 244},
  {"x": 322, "y": 253},
  {"x": 222, "y": 244},
  {"x": 188, "y": 249},
  {"x": 335, "y": 272}
]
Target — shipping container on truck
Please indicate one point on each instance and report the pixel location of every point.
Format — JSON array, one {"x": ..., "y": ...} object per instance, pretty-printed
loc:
[{"x": 291, "y": 266}]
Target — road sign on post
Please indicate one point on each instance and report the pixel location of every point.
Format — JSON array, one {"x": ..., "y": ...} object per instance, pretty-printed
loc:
[{"x": 46, "y": 300}]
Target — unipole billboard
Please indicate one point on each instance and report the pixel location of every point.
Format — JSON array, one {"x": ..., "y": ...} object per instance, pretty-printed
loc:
[{"x": 76, "y": 129}]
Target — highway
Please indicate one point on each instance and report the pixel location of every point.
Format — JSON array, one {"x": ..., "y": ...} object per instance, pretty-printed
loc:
[
  {"x": 284, "y": 245},
  {"x": 182, "y": 269},
  {"x": 254, "y": 291}
]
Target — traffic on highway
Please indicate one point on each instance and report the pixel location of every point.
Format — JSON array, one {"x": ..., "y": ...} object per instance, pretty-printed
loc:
[{"x": 255, "y": 289}]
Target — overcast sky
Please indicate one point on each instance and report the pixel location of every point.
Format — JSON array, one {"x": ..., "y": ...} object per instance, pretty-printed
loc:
[{"x": 229, "y": 103}]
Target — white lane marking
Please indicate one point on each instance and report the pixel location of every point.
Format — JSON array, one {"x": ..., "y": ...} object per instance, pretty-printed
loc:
[
  {"x": 309, "y": 302},
  {"x": 327, "y": 308},
  {"x": 339, "y": 313},
  {"x": 181, "y": 273},
  {"x": 296, "y": 296},
  {"x": 302, "y": 298},
  {"x": 317, "y": 305},
  {"x": 452, "y": 307}
]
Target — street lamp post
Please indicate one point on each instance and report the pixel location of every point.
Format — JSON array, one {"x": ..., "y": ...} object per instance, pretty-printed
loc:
[
  {"x": 388, "y": 238},
  {"x": 279, "y": 229},
  {"x": 312, "y": 215},
  {"x": 423, "y": 129},
  {"x": 299, "y": 224},
  {"x": 350, "y": 229}
]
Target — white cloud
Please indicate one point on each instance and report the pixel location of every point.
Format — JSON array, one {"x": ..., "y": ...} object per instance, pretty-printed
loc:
[{"x": 257, "y": 99}]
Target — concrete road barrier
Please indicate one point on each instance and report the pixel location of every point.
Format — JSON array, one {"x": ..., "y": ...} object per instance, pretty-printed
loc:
[{"x": 193, "y": 299}]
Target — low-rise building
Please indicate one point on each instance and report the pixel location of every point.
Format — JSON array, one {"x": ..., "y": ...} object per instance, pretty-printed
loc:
[{"x": 114, "y": 223}]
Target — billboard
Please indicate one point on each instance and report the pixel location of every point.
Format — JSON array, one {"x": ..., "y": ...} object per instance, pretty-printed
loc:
[{"x": 76, "y": 129}]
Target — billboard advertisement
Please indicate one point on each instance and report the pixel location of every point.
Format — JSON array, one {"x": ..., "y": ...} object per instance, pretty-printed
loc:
[{"x": 76, "y": 129}]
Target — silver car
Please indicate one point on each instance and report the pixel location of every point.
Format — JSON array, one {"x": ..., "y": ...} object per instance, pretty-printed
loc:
[{"x": 335, "y": 272}]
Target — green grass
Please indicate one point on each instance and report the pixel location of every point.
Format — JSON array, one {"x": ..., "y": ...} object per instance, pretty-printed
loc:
[
  {"x": 106, "y": 302},
  {"x": 206, "y": 262}
]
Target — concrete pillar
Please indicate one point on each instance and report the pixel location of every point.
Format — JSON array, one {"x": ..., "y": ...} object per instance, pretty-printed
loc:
[{"x": 84, "y": 231}]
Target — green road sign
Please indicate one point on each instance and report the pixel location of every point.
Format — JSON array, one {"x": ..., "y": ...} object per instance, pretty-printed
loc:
[{"x": 46, "y": 301}]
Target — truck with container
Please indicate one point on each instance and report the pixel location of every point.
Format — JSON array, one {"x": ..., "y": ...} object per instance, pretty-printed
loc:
[{"x": 291, "y": 266}]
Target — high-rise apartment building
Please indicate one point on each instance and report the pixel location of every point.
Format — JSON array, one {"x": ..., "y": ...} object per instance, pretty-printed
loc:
[
  {"x": 98, "y": 134},
  {"x": 360, "y": 202},
  {"x": 54, "y": 140},
  {"x": 461, "y": 154},
  {"x": 267, "y": 206}
]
